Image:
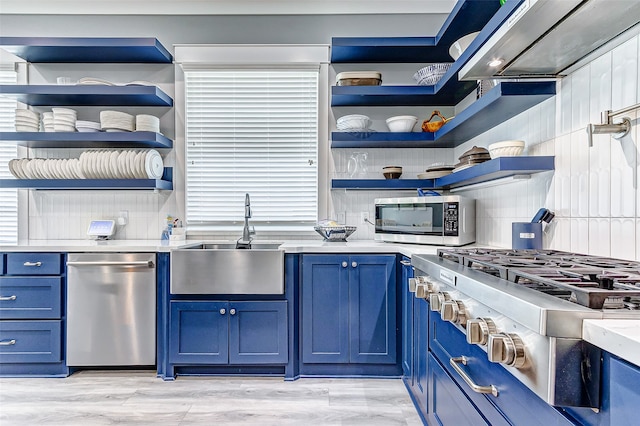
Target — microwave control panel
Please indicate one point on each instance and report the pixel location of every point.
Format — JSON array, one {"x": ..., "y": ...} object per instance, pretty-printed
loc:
[{"x": 451, "y": 219}]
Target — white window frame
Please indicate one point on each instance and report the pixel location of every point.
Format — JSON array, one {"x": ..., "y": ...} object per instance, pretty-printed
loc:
[
  {"x": 247, "y": 56},
  {"x": 9, "y": 211}
]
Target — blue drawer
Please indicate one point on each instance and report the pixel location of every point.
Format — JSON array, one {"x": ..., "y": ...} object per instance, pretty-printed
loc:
[
  {"x": 30, "y": 297},
  {"x": 30, "y": 341},
  {"x": 34, "y": 264}
]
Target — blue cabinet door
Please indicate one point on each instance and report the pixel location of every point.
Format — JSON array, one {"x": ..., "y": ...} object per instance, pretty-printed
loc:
[
  {"x": 325, "y": 309},
  {"x": 30, "y": 297},
  {"x": 449, "y": 405},
  {"x": 623, "y": 393},
  {"x": 199, "y": 333},
  {"x": 258, "y": 332},
  {"x": 407, "y": 321},
  {"x": 25, "y": 342},
  {"x": 372, "y": 309}
]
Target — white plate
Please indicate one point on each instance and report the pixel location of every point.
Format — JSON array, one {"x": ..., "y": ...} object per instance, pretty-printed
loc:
[
  {"x": 93, "y": 80},
  {"x": 113, "y": 164},
  {"x": 122, "y": 174},
  {"x": 139, "y": 165},
  {"x": 130, "y": 164},
  {"x": 459, "y": 168},
  {"x": 91, "y": 160},
  {"x": 154, "y": 165}
]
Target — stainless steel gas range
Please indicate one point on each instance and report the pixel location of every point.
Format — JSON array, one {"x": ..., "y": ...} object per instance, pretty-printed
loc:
[{"x": 525, "y": 309}]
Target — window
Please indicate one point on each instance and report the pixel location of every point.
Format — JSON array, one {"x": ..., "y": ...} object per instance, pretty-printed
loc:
[
  {"x": 8, "y": 196},
  {"x": 251, "y": 130}
]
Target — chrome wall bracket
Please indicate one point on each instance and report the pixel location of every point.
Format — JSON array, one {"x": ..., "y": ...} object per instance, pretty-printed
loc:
[{"x": 619, "y": 130}]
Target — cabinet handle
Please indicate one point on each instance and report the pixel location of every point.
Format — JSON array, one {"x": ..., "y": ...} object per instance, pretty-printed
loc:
[
  {"x": 223, "y": 311},
  {"x": 232, "y": 311},
  {"x": 38, "y": 264},
  {"x": 354, "y": 264},
  {"x": 8, "y": 342},
  {"x": 474, "y": 387},
  {"x": 405, "y": 263},
  {"x": 4, "y": 298},
  {"x": 344, "y": 264}
]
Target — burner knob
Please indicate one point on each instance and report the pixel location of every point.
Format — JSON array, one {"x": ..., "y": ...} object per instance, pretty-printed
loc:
[
  {"x": 424, "y": 290},
  {"x": 506, "y": 348},
  {"x": 414, "y": 282},
  {"x": 453, "y": 311},
  {"x": 479, "y": 329},
  {"x": 436, "y": 300}
]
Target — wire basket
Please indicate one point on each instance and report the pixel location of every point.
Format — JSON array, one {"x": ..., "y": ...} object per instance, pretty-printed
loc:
[
  {"x": 335, "y": 233},
  {"x": 431, "y": 74}
]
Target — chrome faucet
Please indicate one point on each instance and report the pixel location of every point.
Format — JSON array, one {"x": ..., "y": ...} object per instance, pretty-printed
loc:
[{"x": 245, "y": 241}]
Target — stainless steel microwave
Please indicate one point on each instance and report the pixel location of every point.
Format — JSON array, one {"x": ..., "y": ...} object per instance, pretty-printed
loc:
[{"x": 448, "y": 220}]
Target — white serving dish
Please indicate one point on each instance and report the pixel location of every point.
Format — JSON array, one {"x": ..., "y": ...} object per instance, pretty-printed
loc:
[
  {"x": 353, "y": 122},
  {"x": 510, "y": 148},
  {"x": 401, "y": 123}
]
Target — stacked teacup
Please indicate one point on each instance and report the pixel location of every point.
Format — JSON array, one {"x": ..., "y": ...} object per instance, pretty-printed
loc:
[
  {"x": 47, "y": 122},
  {"x": 147, "y": 123}
]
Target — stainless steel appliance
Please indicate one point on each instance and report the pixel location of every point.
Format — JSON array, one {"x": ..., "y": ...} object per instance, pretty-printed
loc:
[
  {"x": 532, "y": 40},
  {"x": 525, "y": 309},
  {"x": 448, "y": 220},
  {"x": 111, "y": 309}
]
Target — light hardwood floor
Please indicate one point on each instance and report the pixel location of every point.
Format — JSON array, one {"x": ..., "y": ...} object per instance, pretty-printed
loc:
[{"x": 140, "y": 398}]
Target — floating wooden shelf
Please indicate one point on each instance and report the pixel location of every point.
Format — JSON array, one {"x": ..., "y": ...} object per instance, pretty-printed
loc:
[{"x": 113, "y": 140}]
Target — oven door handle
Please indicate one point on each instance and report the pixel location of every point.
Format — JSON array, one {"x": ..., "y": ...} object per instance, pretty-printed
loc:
[{"x": 455, "y": 361}]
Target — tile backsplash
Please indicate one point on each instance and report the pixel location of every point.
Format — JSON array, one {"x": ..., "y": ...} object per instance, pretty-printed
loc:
[{"x": 593, "y": 191}]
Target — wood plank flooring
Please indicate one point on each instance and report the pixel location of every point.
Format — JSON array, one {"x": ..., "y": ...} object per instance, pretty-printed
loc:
[{"x": 140, "y": 398}]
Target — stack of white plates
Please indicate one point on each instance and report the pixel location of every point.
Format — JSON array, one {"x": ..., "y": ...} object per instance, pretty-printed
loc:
[
  {"x": 87, "y": 126},
  {"x": 47, "y": 122},
  {"x": 147, "y": 123},
  {"x": 27, "y": 121},
  {"x": 64, "y": 119},
  {"x": 121, "y": 164},
  {"x": 117, "y": 121},
  {"x": 40, "y": 168}
]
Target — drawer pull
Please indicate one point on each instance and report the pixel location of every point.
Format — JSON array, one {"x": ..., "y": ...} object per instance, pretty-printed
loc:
[
  {"x": 8, "y": 342},
  {"x": 405, "y": 263},
  {"x": 36, "y": 264},
  {"x": 5, "y": 298},
  {"x": 136, "y": 263},
  {"x": 474, "y": 387}
]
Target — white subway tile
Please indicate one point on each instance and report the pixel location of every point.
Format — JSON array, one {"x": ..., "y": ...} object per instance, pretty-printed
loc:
[
  {"x": 600, "y": 237},
  {"x": 623, "y": 238},
  {"x": 579, "y": 175},
  {"x": 579, "y": 235},
  {"x": 600, "y": 90},
  {"x": 600, "y": 176},
  {"x": 624, "y": 75},
  {"x": 623, "y": 177},
  {"x": 563, "y": 106},
  {"x": 580, "y": 81}
]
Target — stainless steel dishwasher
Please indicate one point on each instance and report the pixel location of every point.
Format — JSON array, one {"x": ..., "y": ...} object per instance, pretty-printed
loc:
[{"x": 111, "y": 309}]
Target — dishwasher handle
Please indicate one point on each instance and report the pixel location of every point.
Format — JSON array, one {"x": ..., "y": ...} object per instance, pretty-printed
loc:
[{"x": 140, "y": 263}]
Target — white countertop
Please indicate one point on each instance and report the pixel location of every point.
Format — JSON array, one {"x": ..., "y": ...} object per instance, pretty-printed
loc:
[
  {"x": 620, "y": 337},
  {"x": 302, "y": 246}
]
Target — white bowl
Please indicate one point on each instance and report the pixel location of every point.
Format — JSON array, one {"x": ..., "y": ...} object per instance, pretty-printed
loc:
[
  {"x": 353, "y": 122},
  {"x": 401, "y": 123},
  {"x": 510, "y": 148},
  {"x": 460, "y": 45}
]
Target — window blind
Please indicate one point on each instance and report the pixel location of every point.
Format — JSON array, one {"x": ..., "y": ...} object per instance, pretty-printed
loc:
[
  {"x": 251, "y": 131},
  {"x": 8, "y": 196}
]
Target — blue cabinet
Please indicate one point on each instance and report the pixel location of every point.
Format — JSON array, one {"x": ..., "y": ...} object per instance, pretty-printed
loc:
[
  {"x": 421, "y": 354},
  {"x": 349, "y": 309},
  {"x": 228, "y": 332},
  {"x": 32, "y": 288}
]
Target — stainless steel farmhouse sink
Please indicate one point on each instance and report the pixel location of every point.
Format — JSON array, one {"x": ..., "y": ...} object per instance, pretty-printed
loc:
[{"x": 221, "y": 268}]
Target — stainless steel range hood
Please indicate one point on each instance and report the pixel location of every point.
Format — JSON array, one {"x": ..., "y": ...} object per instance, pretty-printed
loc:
[{"x": 545, "y": 37}]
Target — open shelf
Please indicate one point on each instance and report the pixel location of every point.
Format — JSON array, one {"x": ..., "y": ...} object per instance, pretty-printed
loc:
[
  {"x": 497, "y": 168},
  {"x": 87, "y": 95},
  {"x": 88, "y": 139},
  {"x": 501, "y": 103},
  {"x": 86, "y": 50},
  {"x": 166, "y": 183},
  {"x": 466, "y": 17}
]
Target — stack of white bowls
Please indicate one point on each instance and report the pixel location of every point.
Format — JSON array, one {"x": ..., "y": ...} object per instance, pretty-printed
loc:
[
  {"x": 147, "y": 123},
  {"x": 27, "y": 121},
  {"x": 87, "y": 126},
  {"x": 64, "y": 119},
  {"x": 47, "y": 122},
  {"x": 117, "y": 121}
]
